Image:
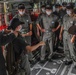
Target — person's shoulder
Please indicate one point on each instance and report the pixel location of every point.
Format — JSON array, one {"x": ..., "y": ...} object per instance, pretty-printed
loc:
[{"x": 16, "y": 16}]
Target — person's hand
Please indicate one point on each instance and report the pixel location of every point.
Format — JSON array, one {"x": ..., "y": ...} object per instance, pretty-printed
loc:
[
  {"x": 60, "y": 37},
  {"x": 53, "y": 30},
  {"x": 73, "y": 38},
  {"x": 8, "y": 31},
  {"x": 72, "y": 41},
  {"x": 42, "y": 43},
  {"x": 29, "y": 33},
  {"x": 43, "y": 30}
]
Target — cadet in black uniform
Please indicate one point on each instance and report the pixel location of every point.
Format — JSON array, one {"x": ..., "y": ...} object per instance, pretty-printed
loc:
[{"x": 21, "y": 48}]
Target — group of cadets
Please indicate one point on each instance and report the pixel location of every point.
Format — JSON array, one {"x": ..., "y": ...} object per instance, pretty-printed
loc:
[{"x": 52, "y": 26}]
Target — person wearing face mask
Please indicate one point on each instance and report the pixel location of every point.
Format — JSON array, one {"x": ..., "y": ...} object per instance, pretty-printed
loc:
[
  {"x": 26, "y": 28},
  {"x": 68, "y": 21},
  {"x": 39, "y": 34},
  {"x": 48, "y": 20},
  {"x": 72, "y": 30}
]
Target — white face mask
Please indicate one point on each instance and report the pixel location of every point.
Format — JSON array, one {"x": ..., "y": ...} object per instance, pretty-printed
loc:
[
  {"x": 48, "y": 12},
  {"x": 68, "y": 12},
  {"x": 43, "y": 10},
  {"x": 21, "y": 13}
]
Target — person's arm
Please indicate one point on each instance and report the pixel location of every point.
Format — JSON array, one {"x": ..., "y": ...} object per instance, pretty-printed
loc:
[
  {"x": 38, "y": 33},
  {"x": 32, "y": 48},
  {"x": 30, "y": 26},
  {"x": 58, "y": 27},
  {"x": 38, "y": 21},
  {"x": 24, "y": 35},
  {"x": 57, "y": 20},
  {"x": 61, "y": 31},
  {"x": 30, "y": 33},
  {"x": 41, "y": 29},
  {"x": 38, "y": 25},
  {"x": 55, "y": 29},
  {"x": 73, "y": 38}
]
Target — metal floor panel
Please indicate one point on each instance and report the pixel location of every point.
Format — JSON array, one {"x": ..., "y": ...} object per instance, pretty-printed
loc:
[{"x": 53, "y": 68}]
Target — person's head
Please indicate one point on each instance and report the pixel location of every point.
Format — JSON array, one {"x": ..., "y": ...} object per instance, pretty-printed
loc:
[
  {"x": 69, "y": 9},
  {"x": 43, "y": 8},
  {"x": 57, "y": 7},
  {"x": 64, "y": 4},
  {"x": 48, "y": 9},
  {"x": 21, "y": 9},
  {"x": 15, "y": 24}
]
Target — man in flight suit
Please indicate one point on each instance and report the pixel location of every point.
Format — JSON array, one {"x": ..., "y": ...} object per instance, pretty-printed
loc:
[
  {"x": 40, "y": 23},
  {"x": 48, "y": 30},
  {"x": 72, "y": 30},
  {"x": 27, "y": 27},
  {"x": 68, "y": 21}
]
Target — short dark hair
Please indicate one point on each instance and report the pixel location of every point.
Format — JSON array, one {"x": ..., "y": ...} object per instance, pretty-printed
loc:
[{"x": 14, "y": 23}]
